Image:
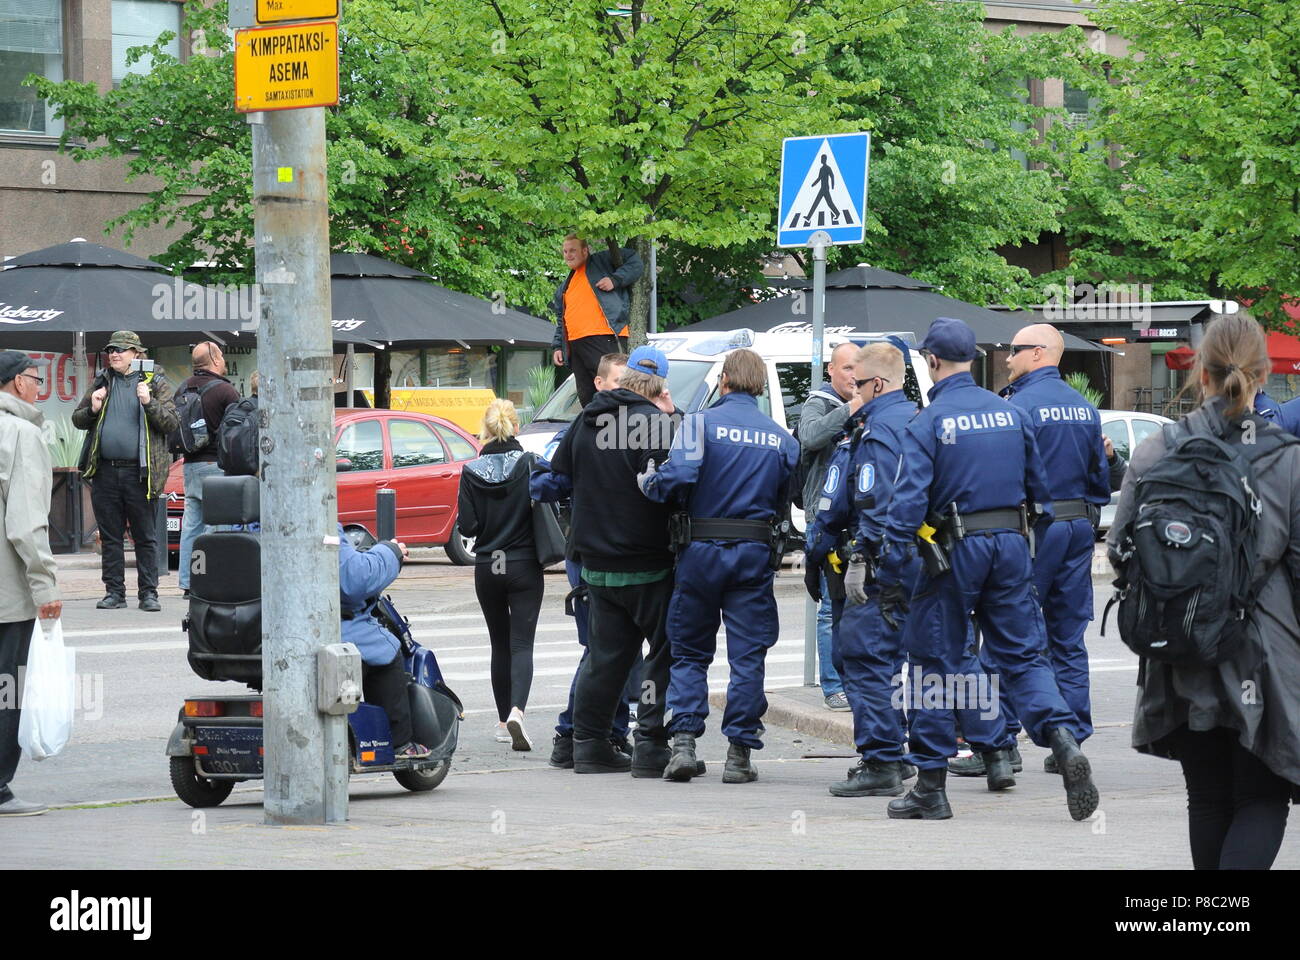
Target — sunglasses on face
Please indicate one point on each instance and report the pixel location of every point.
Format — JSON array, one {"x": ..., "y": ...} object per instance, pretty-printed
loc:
[
  {"x": 112, "y": 350},
  {"x": 863, "y": 383},
  {"x": 1018, "y": 347}
]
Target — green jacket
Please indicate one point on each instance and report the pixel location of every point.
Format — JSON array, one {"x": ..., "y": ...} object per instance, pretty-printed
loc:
[{"x": 159, "y": 420}]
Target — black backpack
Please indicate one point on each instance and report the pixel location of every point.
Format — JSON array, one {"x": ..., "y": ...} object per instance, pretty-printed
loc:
[
  {"x": 192, "y": 434},
  {"x": 1186, "y": 557},
  {"x": 239, "y": 452}
]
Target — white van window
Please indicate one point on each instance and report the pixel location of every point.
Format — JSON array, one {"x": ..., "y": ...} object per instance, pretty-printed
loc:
[{"x": 793, "y": 378}]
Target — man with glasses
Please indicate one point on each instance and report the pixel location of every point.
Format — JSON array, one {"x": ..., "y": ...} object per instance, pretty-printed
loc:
[
  {"x": 127, "y": 413},
  {"x": 27, "y": 588}
]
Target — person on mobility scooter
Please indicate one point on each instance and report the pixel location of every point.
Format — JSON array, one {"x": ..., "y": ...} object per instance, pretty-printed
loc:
[{"x": 408, "y": 727}]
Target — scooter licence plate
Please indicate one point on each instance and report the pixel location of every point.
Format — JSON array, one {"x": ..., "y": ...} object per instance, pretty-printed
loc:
[{"x": 230, "y": 749}]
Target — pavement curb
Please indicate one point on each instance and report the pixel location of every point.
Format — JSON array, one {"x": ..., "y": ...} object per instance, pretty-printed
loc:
[{"x": 787, "y": 712}]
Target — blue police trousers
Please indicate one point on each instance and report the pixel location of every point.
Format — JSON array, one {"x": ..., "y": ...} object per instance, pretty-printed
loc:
[
  {"x": 1063, "y": 580},
  {"x": 734, "y": 579},
  {"x": 871, "y": 666},
  {"x": 991, "y": 575}
]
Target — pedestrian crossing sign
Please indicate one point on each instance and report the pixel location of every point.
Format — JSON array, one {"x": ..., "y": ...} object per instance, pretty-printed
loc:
[{"x": 823, "y": 188}]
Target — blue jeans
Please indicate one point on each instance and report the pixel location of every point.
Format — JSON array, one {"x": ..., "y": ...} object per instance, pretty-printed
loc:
[
  {"x": 830, "y": 679},
  {"x": 192, "y": 523}
]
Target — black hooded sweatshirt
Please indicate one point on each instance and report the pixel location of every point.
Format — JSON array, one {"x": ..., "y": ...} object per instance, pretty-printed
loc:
[
  {"x": 493, "y": 505},
  {"x": 615, "y": 528}
]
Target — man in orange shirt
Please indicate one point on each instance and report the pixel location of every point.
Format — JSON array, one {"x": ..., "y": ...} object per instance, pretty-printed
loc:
[{"x": 591, "y": 304}]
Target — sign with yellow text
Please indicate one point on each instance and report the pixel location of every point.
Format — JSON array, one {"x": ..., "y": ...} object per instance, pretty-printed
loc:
[
  {"x": 282, "y": 68},
  {"x": 278, "y": 11},
  {"x": 463, "y": 407}
]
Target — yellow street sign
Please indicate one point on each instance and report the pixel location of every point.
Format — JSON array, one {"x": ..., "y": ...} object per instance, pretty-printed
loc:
[
  {"x": 280, "y": 68},
  {"x": 278, "y": 11}
]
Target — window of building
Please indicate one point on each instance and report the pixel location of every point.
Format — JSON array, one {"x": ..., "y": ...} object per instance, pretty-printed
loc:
[
  {"x": 138, "y": 23},
  {"x": 31, "y": 41}
]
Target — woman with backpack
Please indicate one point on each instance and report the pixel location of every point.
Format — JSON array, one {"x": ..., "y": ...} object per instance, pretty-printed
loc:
[
  {"x": 1220, "y": 695},
  {"x": 494, "y": 507}
]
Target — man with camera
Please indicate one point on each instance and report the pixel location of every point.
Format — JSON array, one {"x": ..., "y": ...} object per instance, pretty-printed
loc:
[{"x": 127, "y": 414}]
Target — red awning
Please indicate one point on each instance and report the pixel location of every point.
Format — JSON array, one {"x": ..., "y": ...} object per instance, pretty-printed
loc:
[{"x": 1283, "y": 350}]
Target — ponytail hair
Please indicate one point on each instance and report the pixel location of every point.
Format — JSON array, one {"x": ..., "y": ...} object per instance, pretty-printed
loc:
[
  {"x": 1234, "y": 354},
  {"x": 500, "y": 421}
]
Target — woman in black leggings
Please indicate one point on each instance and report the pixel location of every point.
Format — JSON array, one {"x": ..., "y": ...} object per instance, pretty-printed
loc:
[
  {"x": 1233, "y": 726},
  {"x": 494, "y": 507}
]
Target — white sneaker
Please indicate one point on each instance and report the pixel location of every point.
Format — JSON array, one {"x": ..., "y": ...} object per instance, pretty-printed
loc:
[
  {"x": 503, "y": 735},
  {"x": 518, "y": 737}
]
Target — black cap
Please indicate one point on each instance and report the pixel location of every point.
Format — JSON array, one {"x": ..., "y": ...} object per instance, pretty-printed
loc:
[{"x": 12, "y": 363}]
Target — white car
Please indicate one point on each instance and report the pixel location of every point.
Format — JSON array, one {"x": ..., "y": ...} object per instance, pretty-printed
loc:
[
  {"x": 695, "y": 367},
  {"x": 1126, "y": 429}
]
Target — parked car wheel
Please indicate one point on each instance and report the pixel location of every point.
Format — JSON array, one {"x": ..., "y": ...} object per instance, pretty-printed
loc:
[{"x": 460, "y": 549}]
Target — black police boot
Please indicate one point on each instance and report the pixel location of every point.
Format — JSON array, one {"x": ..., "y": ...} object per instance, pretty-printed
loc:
[
  {"x": 874, "y": 778},
  {"x": 1049, "y": 764},
  {"x": 909, "y": 771},
  {"x": 683, "y": 764},
  {"x": 928, "y": 800},
  {"x": 972, "y": 766},
  {"x": 623, "y": 746},
  {"x": 650, "y": 757},
  {"x": 997, "y": 766},
  {"x": 739, "y": 768},
  {"x": 113, "y": 601},
  {"x": 149, "y": 603},
  {"x": 1017, "y": 764},
  {"x": 1080, "y": 792},
  {"x": 562, "y": 752},
  {"x": 598, "y": 756}
]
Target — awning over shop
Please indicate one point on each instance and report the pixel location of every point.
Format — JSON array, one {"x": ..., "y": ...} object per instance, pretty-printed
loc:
[{"x": 1283, "y": 351}]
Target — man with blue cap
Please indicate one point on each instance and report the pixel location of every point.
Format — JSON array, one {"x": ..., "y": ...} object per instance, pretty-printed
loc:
[
  {"x": 733, "y": 470},
  {"x": 972, "y": 471}
]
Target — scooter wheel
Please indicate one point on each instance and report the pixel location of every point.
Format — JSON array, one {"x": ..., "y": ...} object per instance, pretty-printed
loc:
[
  {"x": 195, "y": 790},
  {"x": 421, "y": 780}
]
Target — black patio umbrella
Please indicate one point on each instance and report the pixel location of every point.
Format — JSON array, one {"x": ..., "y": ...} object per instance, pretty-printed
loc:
[
  {"x": 376, "y": 301},
  {"x": 48, "y": 296},
  {"x": 863, "y": 299}
]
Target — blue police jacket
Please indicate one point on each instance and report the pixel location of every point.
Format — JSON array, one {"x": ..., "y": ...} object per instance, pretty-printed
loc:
[
  {"x": 832, "y": 514},
  {"x": 968, "y": 447},
  {"x": 362, "y": 575},
  {"x": 1068, "y": 430},
  {"x": 546, "y": 485},
  {"x": 732, "y": 461},
  {"x": 1288, "y": 416},
  {"x": 1266, "y": 406}
]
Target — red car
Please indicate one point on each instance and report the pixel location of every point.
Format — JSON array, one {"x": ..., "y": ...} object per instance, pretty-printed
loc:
[{"x": 415, "y": 454}]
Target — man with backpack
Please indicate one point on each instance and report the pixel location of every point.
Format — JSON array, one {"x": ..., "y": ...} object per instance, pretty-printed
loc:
[{"x": 201, "y": 403}]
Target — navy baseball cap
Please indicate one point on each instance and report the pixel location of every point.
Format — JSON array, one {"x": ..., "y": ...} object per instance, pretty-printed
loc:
[
  {"x": 12, "y": 363},
  {"x": 950, "y": 339},
  {"x": 649, "y": 360}
]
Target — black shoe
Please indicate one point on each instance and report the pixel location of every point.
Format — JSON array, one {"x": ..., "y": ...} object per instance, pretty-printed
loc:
[
  {"x": 1017, "y": 764},
  {"x": 149, "y": 603},
  {"x": 1080, "y": 792},
  {"x": 928, "y": 800},
  {"x": 683, "y": 764},
  {"x": 972, "y": 766},
  {"x": 598, "y": 756},
  {"x": 1049, "y": 764},
  {"x": 739, "y": 768},
  {"x": 874, "y": 778},
  {"x": 622, "y": 746},
  {"x": 909, "y": 771},
  {"x": 562, "y": 752},
  {"x": 997, "y": 764},
  {"x": 111, "y": 602},
  {"x": 649, "y": 758}
]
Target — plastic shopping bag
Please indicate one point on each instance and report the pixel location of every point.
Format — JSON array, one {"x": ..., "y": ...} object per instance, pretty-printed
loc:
[{"x": 49, "y": 693}]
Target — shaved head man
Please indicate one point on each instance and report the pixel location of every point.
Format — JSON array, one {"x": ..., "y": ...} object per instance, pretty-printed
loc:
[
  {"x": 1038, "y": 345},
  {"x": 208, "y": 356}
]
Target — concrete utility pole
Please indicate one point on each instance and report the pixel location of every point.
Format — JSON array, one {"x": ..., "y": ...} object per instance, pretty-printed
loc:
[
  {"x": 818, "y": 242},
  {"x": 306, "y": 750}
]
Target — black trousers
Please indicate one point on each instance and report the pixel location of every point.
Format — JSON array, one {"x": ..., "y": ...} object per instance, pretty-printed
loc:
[
  {"x": 620, "y": 619},
  {"x": 385, "y": 686},
  {"x": 511, "y": 600},
  {"x": 1236, "y": 806},
  {"x": 120, "y": 498},
  {"x": 15, "y": 639},
  {"x": 584, "y": 361}
]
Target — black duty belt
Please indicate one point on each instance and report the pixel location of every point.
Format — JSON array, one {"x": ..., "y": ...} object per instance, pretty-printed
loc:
[
  {"x": 719, "y": 528},
  {"x": 1071, "y": 510},
  {"x": 983, "y": 520},
  {"x": 123, "y": 463}
]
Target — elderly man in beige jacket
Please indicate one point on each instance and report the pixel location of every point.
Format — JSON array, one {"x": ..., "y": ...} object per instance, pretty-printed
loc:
[{"x": 27, "y": 586}]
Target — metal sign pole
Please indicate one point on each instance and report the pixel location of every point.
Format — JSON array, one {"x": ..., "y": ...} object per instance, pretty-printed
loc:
[
  {"x": 818, "y": 241},
  {"x": 306, "y": 750}
]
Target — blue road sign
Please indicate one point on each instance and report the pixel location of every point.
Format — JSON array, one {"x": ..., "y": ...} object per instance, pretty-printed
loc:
[{"x": 823, "y": 187}]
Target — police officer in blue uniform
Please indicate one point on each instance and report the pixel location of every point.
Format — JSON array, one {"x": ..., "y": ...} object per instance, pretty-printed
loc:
[
  {"x": 971, "y": 468},
  {"x": 1068, "y": 431},
  {"x": 1288, "y": 417},
  {"x": 1266, "y": 406},
  {"x": 733, "y": 469}
]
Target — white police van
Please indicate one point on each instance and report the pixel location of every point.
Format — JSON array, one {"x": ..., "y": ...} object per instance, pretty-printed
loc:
[{"x": 695, "y": 367}]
